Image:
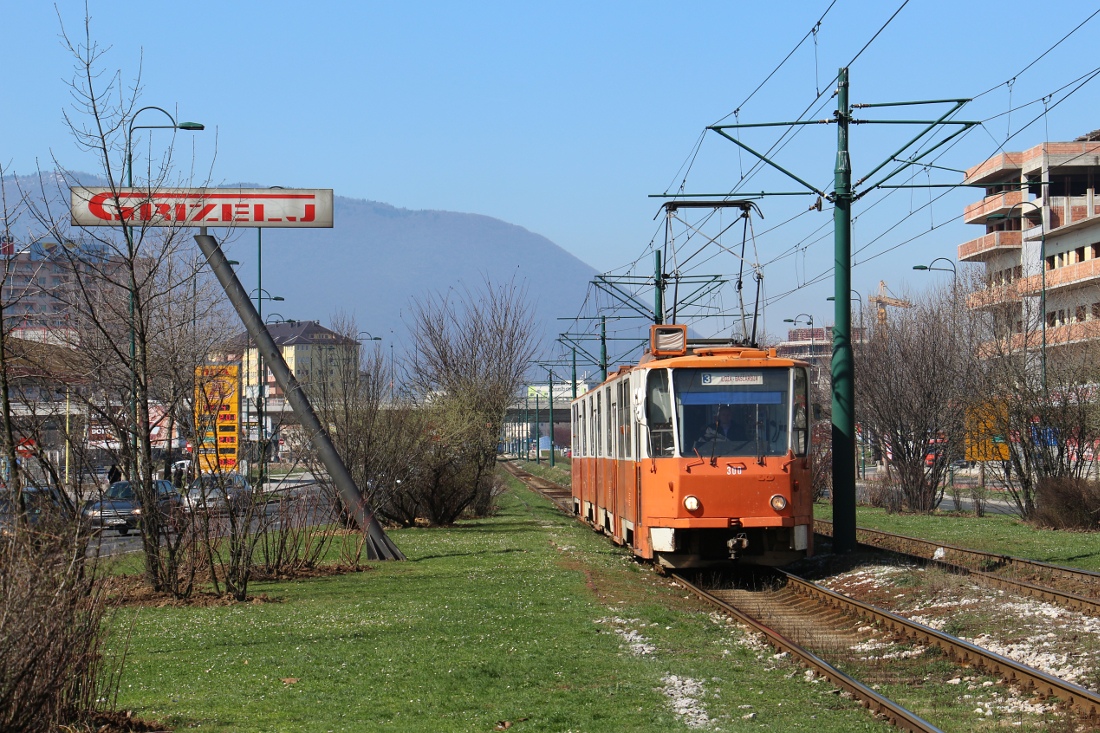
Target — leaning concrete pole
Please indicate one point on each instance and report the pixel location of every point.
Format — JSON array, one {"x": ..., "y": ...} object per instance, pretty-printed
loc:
[{"x": 379, "y": 546}]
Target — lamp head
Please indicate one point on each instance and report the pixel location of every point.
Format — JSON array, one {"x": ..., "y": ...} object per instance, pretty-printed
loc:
[
  {"x": 193, "y": 126},
  {"x": 920, "y": 267}
]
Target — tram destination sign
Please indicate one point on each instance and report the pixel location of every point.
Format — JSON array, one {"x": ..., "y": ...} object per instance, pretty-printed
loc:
[{"x": 202, "y": 207}]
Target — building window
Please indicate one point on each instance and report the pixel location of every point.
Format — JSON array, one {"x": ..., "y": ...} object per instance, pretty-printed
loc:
[{"x": 1080, "y": 313}]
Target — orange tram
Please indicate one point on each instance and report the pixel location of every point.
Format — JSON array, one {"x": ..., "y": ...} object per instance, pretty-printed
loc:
[{"x": 698, "y": 457}]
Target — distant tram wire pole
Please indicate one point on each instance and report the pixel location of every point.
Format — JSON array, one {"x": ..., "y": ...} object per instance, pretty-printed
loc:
[{"x": 842, "y": 197}]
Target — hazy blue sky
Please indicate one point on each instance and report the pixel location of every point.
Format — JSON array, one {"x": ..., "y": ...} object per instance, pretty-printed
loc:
[{"x": 564, "y": 117}]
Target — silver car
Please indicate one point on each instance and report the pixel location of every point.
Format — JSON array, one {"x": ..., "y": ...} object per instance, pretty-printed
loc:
[
  {"x": 215, "y": 493},
  {"x": 120, "y": 509}
]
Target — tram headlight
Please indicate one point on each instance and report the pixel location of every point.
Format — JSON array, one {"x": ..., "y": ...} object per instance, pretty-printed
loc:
[
  {"x": 691, "y": 503},
  {"x": 778, "y": 502}
]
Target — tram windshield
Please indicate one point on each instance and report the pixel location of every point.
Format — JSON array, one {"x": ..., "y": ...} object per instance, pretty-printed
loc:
[{"x": 738, "y": 412}]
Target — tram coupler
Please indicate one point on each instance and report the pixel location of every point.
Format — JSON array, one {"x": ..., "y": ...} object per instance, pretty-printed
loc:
[{"x": 737, "y": 545}]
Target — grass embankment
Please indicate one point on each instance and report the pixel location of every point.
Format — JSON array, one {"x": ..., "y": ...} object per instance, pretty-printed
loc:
[
  {"x": 527, "y": 617},
  {"x": 999, "y": 533},
  {"x": 560, "y": 473}
]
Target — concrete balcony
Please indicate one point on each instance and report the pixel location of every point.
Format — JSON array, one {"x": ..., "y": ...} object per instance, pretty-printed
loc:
[
  {"x": 1003, "y": 167},
  {"x": 995, "y": 296},
  {"x": 997, "y": 204},
  {"x": 1072, "y": 333},
  {"x": 1081, "y": 274},
  {"x": 989, "y": 246}
]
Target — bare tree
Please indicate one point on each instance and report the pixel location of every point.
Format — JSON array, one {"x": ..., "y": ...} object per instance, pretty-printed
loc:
[
  {"x": 915, "y": 380},
  {"x": 1040, "y": 405},
  {"x": 131, "y": 297},
  {"x": 471, "y": 349}
]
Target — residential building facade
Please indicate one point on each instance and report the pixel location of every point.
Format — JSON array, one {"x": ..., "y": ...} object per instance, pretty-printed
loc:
[
  {"x": 1041, "y": 245},
  {"x": 320, "y": 359}
]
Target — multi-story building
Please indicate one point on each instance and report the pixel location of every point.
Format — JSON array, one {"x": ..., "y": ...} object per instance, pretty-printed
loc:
[
  {"x": 1041, "y": 247},
  {"x": 320, "y": 359},
  {"x": 46, "y": 286}
]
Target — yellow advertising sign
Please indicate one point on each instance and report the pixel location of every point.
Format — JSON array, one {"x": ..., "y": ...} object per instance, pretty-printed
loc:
[
  {"x": 984, "y": 440},
  {"x": 217, "y": 416}
]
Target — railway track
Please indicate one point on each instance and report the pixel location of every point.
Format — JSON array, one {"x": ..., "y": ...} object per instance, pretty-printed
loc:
[
  {"x": 560, "y": 495},
  {"x": 1078, "y": 590},
  {"x": 801, "y": 615},
  {"x": 801, "y": 609},
  {"x": 769, "y": 616}
]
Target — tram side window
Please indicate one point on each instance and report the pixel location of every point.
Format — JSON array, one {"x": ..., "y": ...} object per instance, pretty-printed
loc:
[
  {"x": 800, "y": 421},
  {"x": 597, "y": 417},
  {"x": 608, "y": 422},
  {"x": 624, "y": 419},
  {"x": 590, "y": 407},
  {"x": 658, "y": 408},
  {"x": 578, "y": 429}
]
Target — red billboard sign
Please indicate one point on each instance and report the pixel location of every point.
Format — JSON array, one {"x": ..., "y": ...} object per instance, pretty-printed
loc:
[{"x": 202, "y": 207}]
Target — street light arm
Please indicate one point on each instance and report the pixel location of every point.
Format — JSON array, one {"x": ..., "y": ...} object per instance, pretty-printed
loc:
[{"x": 190, "y": 126}]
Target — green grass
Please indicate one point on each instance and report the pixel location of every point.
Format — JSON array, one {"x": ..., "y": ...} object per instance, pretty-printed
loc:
[
  {"x": 511, "y": 618},
  {"x": 997, "y": 533}
]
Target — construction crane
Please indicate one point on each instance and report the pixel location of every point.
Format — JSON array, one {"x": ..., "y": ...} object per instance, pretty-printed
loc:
[{"x": 883, "y": 299}]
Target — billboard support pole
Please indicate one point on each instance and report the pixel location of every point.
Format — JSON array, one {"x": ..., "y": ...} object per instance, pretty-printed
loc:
[{"x": 378, "y": 546}]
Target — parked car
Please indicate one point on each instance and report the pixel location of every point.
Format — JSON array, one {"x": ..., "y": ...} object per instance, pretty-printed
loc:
[
  {"x": 218, "y": 493},
  {"x": 44, "y": 504},
  {"x": 120, "y": 509}
]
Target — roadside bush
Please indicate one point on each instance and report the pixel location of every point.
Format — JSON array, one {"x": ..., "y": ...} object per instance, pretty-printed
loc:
[
  {"x": 300, "y": 535},
  {"x": 883, "y": 494},
  {"x": 821, "y": 466},
  {"x": 52, "y": 606},
  {"x": 1067, "y": 503}
]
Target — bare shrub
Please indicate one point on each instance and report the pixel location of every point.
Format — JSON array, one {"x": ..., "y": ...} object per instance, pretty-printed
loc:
[
  {"x": 1067, "y": 503},
  {"x": 299, "y": 535},
  {"x": 883, "y": 494},
  {"x": 956, "y": 495},
  {"x": 821, "y": 465},
  {"x": 979, "y": 495},
  {"x": 52, "y": 608},
  {"x": 471, "y": 350}
]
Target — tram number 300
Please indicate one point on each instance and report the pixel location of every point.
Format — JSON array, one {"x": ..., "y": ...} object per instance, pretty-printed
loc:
[{"x": 734, "y": 470}]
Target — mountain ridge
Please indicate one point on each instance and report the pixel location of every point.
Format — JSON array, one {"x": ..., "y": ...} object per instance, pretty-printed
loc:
[{"x": 378, "y": 258}]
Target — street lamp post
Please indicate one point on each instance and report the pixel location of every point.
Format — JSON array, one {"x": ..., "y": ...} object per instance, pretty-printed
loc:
[
  {"x": 954, "y": 282},
  {"x": 857, "y": 298},
  {"x": 369, "y": 337},
  {"x": 810, "y": 321},
  {"x": 261, "y": 381},
  {"x": 130, "y": 253},
  {"x": 953, "y": 271},
  {"x": 1043, "y": 278}
]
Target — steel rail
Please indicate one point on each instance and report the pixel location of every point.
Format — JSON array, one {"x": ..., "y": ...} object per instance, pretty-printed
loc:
[
  {"x": 959, "y": 559},
  {"x": 886, "y": 708},
  {"x": 963, "y": 652},
  {"x": 560, "y": 495}
]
